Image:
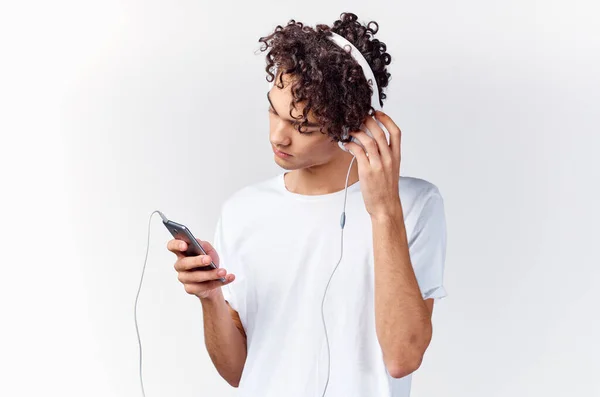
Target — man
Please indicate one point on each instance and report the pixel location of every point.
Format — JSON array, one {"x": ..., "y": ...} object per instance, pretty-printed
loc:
[{"x": 279, "y": 240}]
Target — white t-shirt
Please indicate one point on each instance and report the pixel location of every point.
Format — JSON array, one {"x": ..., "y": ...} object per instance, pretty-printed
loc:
[{"x": 282, "y": 248}]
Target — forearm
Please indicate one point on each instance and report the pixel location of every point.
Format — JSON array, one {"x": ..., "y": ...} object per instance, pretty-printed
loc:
[
  {"x": 225, "y": 343},
  {"x": 402, "y": 319}
]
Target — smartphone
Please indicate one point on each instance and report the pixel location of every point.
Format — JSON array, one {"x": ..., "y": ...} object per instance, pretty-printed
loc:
[{"x": 181, "y": 232}]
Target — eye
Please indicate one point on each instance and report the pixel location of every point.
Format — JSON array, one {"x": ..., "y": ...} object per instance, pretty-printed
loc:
[{"x": 297, "y": 128}]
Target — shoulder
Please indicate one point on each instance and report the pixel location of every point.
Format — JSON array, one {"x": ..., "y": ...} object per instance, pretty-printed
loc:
[
  {"x": 417, "y": 191},
  {"x": 423, "y": 207},
  {"x": 421, "y": 201}
]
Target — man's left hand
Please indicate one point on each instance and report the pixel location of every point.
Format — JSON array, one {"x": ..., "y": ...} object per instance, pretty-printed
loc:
[{"x": 380, "y": 170}]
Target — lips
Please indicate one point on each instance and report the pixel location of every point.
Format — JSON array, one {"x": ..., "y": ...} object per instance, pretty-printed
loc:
[{"x": 280, "y": 152}]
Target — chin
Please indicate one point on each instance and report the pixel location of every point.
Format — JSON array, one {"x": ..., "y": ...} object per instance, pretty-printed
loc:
[{"x": 286, "y": 165}]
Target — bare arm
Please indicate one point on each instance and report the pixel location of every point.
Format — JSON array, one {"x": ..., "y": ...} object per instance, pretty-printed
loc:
[
  {"x": 224, "y": 334},
  {"x": 224, "y": 339},
  {"x": 403, "y": 318}
]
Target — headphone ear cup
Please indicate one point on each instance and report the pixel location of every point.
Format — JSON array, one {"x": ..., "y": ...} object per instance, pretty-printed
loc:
[
  {"x": 353, "y": 139},
  {"x": 344, "y": 136},
  {"x": 366, "y": 130}
]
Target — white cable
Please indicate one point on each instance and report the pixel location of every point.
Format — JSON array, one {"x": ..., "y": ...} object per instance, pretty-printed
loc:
[
  {"x": 136, "y": 301},
  {"x": 343, "y": 222}
]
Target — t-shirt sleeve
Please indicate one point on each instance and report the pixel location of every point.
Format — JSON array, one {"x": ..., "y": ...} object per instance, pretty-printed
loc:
[
  {"x": 427, "y": 247},
  {"x": 233, "y": 292}
]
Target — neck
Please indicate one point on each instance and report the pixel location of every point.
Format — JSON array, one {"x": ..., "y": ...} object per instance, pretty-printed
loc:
[{"x": 324, "y": 178}]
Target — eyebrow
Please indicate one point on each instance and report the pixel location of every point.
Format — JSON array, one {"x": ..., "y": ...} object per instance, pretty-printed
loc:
[{"x": 309, "y": 124}]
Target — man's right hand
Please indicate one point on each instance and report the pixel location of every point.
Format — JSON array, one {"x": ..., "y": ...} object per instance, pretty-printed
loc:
[{"x": 204, "y": 284}]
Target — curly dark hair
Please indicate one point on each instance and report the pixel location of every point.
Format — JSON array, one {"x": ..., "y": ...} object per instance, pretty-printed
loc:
[{"x": 327, "y": 79}]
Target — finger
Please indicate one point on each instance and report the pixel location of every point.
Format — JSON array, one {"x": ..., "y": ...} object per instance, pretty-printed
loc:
[
  {"x": 177, "y": 247},
  {"x": 371, "y": 147},
  {"x": 198, "y": 288},
  {"x": 192, "y": 262},
  {"x": 393, "y": 129},
  {"x": 201, "y": 276},
  {"x": 379, "y": 137},
  {"x": 210, "y": 250},
  {"x": 358, "y": 152}
]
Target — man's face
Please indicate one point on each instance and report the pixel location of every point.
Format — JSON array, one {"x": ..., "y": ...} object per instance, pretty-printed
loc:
[{"x": 305, "y": 149}]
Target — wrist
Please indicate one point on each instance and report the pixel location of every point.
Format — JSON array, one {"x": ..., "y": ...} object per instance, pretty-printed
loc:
[
  {"x": 212, "y": 298},
  {"x": 390, "y": 213}
]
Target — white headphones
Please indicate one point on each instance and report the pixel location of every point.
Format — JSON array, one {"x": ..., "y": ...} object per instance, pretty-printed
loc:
[{"x": 368, "y": 72}]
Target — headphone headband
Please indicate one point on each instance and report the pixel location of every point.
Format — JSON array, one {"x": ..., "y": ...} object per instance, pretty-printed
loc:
[
  {"x": 362, "y": 62},
  {"x": 360, "y": 59}
]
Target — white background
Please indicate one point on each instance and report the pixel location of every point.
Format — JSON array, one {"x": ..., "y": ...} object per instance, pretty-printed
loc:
[{"x": 112, "y": 109}]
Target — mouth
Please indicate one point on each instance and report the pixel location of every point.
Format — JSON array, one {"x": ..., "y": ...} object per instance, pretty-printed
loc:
[{"x": 280, "y": 153}]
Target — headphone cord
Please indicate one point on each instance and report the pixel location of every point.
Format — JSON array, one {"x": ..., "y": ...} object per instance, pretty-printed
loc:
[
  {"x": 136, "y": 302},
  {"x": 342, "y": 224}
]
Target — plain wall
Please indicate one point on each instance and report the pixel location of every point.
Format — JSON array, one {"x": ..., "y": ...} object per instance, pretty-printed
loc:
[{"x": 111, "y": 110}]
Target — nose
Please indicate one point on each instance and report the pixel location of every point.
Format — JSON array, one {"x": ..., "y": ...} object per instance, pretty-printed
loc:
[{"x": 279, "y": 134}]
